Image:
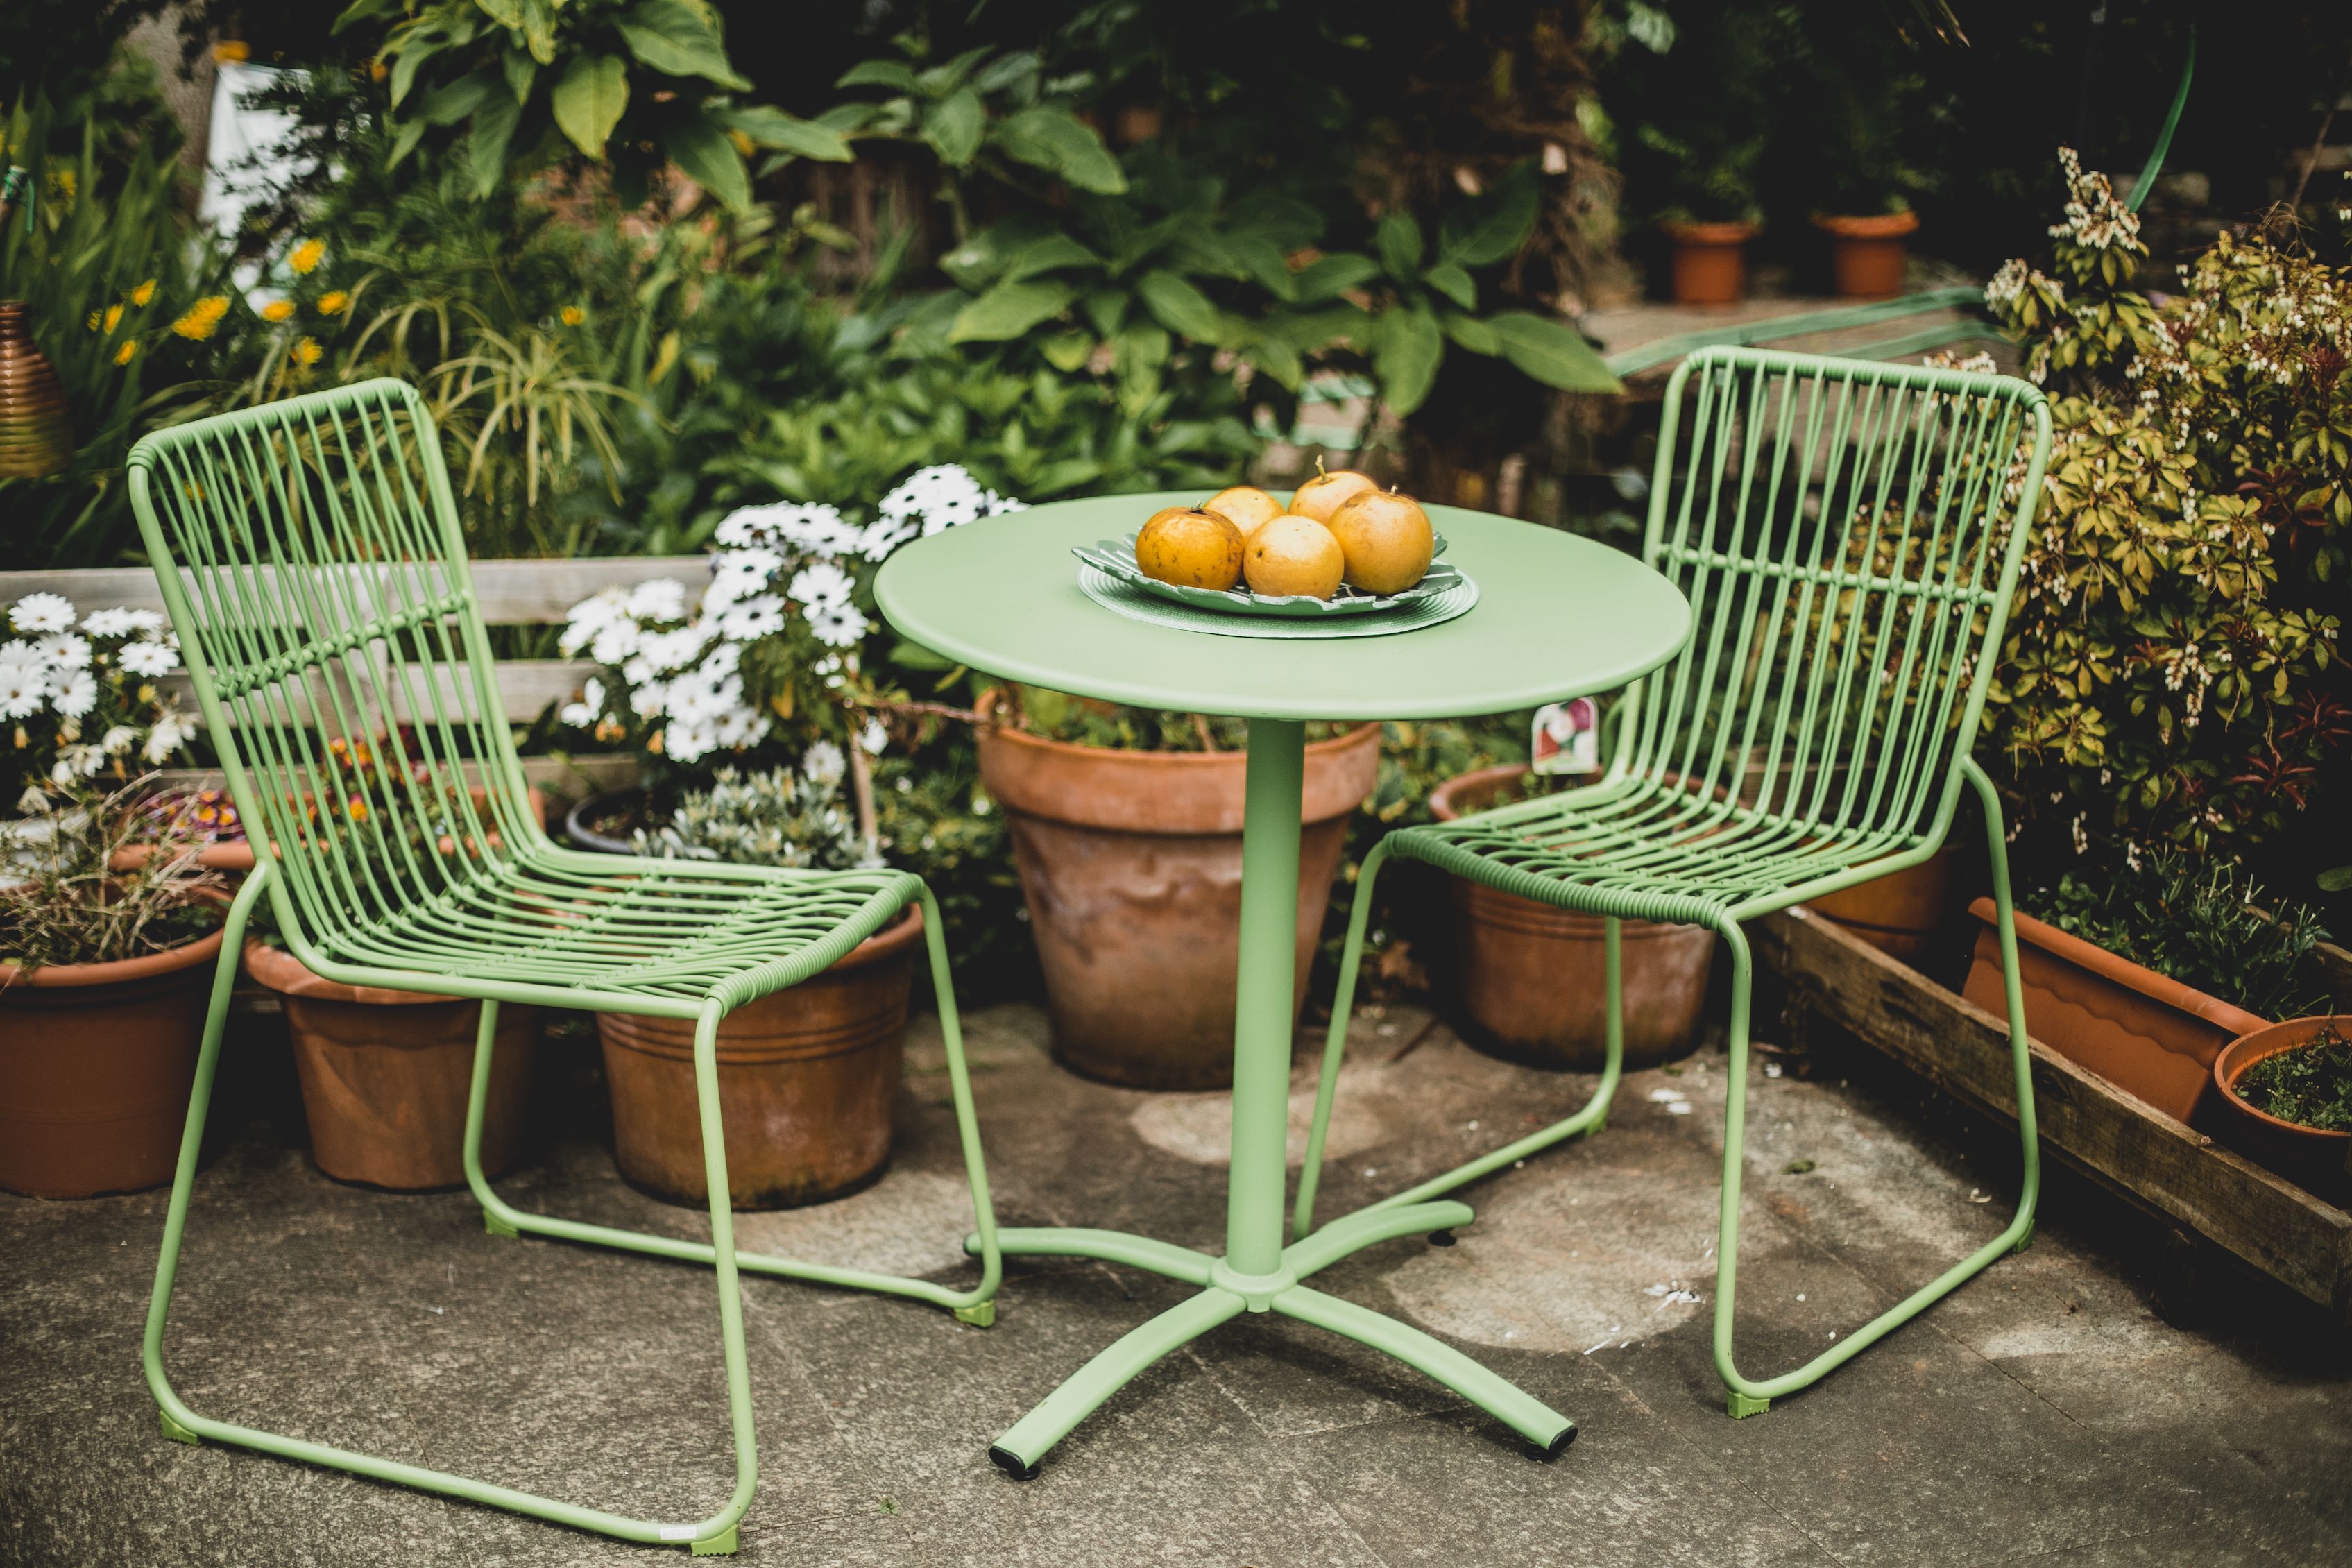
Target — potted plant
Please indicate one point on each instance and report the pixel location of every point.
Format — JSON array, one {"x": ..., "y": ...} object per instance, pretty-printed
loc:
[
  {"x": 385, "y": 1074},
  {"x": 807, "y": 1076},
  {"x": 2143, "y": 974},
  {"x": 1693, "y": 161},
  {"x": 1125, "y": 826},
  {"x": 2291, "y": 1087},
  {"x": 1862, "y": 185},
  {"x": 102, "y": 983},
  {"x": 1900, "y": 913},
  {"x": 1532, "y": 976}
]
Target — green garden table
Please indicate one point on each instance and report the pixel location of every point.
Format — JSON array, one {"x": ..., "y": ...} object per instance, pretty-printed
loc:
[{"x": 1557, "y": 616}]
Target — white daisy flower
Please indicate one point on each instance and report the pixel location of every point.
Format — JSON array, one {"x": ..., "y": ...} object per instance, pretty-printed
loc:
[
  {"x": 690, "y": 741},
  {"x": 742, "y": 727},
  {"x": 24, "y": 682},
  {"x": 874, "y": 737},
  {"x": 724, "y": 659},
  {"x": 172, "y": 732},
  {"x": 149, "y": 659},
  {"x": 753, "y": 618},
  {"x": 818, "y": 531},
  {"x": 76, "y": 762},
  {"x": 673, "y": 650},
  {"x": 76, "y": 694},
  {"x": 590, "y": 618},
  {"x": 64, "y": 651},
  {"x": 663, "y": 599},
  {"x": 589, "y": 709},
  {"x": 838, "y": 626},
  {"x": 42, "y": 613},
  {"x": 121, "y": 623},
  {"x": 117, "y": 739},
  {"x": 614, "y": 642},
  {"x": 821, "y": 582},
  {"x": 649, "y": 700},
  {"x": 823, "y": 764}
]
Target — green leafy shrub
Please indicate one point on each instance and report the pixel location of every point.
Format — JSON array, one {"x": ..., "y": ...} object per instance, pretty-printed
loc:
[
  {"x": 2310, "y": 1086},
  {"x": 64, "y": 902},
  {"x": 792, "y": 817}
]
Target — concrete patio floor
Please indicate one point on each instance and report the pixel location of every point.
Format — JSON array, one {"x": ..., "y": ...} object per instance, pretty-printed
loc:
[{"x": 2107, "y": 1397}]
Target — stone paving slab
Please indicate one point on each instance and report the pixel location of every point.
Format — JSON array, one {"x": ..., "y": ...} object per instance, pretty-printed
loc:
[{"x": 2064, "y": 1409}]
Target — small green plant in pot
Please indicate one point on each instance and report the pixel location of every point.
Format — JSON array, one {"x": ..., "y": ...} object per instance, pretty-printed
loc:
[
  {"x": 2291, "y": 1089},
  {"x": 103, "y": 980},
  {"x": 807, "y": 1076}
]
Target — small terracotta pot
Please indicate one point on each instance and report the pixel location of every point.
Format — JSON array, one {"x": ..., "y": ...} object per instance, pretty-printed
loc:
[
  {"x": 1901, "y": 913},
  {"x": 808, "y": 1077},
  {"x": 1710, "y": 262},
  {"x": 2151, "y": 1036},
  {"x": 2315, "y": 1157},
  {"x": 1534, "y": 977},
  {"x": 385, "y": 1075},
  {"x": 1868, "y": 256},
  {"x": 1132, "y": 865},
  {"x": 95, "y": 1062}
]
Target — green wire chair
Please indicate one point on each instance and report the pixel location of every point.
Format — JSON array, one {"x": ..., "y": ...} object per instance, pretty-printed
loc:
[
  {"x": 310, "y": 554},
  {"x": 1849, "y": 536}
]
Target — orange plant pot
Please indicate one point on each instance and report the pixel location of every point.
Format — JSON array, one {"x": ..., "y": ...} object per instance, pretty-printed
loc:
[
  {"x": 1710, "y": 261},
  {"x": 1898, "y": 914},
  {"x": 2151, "y": 1036},
  {"x": 1869, "y": 256},
  {"x": 2315, "y": 1157}
]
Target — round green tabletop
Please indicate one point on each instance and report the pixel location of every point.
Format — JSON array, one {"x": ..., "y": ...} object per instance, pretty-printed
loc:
[{"x": 1558, "y": 616}]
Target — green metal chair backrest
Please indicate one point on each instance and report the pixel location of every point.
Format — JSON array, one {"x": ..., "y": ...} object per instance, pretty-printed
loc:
[
  {"x": 310, "y": 556},
  {"x": 1848, "y": 535}
]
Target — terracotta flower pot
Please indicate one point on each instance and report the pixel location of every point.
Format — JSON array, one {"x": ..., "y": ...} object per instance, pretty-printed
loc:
[
  {"x": 1710, "y": 262},
  {"x": 1132, "y": 865},
  {"x": 2315, "y": 1157},
  {"x": 1868, "y": 256},
  {"x": 384, "y": 1075},
  {"x": 807, "y": 1081},
  {"x": 2152, "y": 1037},
  {"x": 1898, "y": 914},
  {"x": 95, "y": 1062},
  {"x": 1534, "y": 977}
]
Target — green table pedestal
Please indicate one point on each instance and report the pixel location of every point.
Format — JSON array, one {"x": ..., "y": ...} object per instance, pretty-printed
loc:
[{"x": 1257, "y": 1272}]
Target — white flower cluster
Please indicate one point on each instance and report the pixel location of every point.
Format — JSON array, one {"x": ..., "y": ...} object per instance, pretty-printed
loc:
[
  {"x": 778, "y": 819},
  {"x": 52, "y": 669},
  {"x": 774, "y": 561},
  {"x": 2093, "y": 219}
]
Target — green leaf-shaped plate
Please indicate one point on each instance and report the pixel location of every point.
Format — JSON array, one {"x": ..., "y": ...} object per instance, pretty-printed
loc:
[{"x": 1115, "y": 559}]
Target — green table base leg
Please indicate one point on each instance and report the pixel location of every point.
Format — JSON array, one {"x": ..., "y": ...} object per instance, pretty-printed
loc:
[{"x": 1024, "y": 1445}]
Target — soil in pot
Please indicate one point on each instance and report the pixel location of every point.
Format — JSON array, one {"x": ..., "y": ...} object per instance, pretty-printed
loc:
[
  {"x": 1710, "y": 261},
  {"x": 607, "y": 823},
  {"x": 95, "y": 1062},
  {"x": 1131, "y": 862},
  {"x": 1534, "y": 977},
  {"x": 384, "y": 1075},
  {"x": 1869, "y": 256},
  {"x": 808, "y": 1078},
  {"x": 2290, "y": 1089},
  {"x": 2148, "y": 1035}
]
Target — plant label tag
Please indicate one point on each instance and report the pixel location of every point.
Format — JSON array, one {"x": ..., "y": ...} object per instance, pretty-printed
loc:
[{"x": 1567, "y": 738}]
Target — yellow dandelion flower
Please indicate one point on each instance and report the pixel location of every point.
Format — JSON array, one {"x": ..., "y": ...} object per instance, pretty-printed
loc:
[
  {"x": 572, "y": 315},
  {"x": 93, "y": 320},
  {"x": 307, "y": 256},
  {"x": 113, "y": 317},
  {"x": 333, "y": 302},
  {"x": 203, "y": 317},
  {"x": 145, "y": 292},
  {"x": 278, "y": 310},
  {"x": 129, "y": 346},
  {"x": 306, "y": 352}
]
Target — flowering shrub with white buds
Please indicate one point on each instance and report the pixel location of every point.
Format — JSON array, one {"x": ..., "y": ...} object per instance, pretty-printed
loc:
[
  {"x": 790, "y": 818},
  {"x": 776, "y": 637},
  {"x": 78, "y": 698}
]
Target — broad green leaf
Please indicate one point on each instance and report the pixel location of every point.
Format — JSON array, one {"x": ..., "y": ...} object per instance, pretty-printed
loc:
[
  {"x": 699, "y": 145},
  {"x": 953, "y": 126},
  {"x": 360, "y": 11},
  {"x": 1553, "y": 353},
  {"x": 538, "y": 29},
  {"x": 1180, "y": 307},
  {"x": 678, "y": 39},
  {"x": 411, "y": 59},
  {"x": 771, "y": 127},
  {"x": 1006, "y": 70},
  {"x": 1010, "y": 309},
  {"x": 1406, "y": 356},
  {"x": 940, "y": 81},
  {"x": 1261, "y": 261},
  {"x": 1492, "y": 225},
  {"x": 1398, "y": 239},
  {"x": 1067, "y": 352},
  {"x": 521, "y": 71},
  {"x": 485, "y": 144},
  {"x": 1054, "y": 251},
  {"x": 1454, "y": 283},
  {"x": 1332, "y": 276},
  {"x": 505, "y": 13},
  {"x": 589, "y": 99},
  {"x": 1471, "y": 332},
  {"x": 1055, "y": 139},
  {"x": 1107, "y": 308},
  {"x": 1278, "y": 360},
  {"x": 452, "y": 100},
  {"x": 405, "y": 141},
  {"x": 879, "y": 73}
]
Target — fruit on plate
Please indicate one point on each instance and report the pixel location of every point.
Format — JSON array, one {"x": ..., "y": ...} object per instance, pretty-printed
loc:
[
  {"x": 1244, "y": 506},
  {"x": 1191, "y": 548},
  {"x": 1321, "y": 496},
  {"x": 1292, "y": 554},
  {"x": 1386, "y": 540}
]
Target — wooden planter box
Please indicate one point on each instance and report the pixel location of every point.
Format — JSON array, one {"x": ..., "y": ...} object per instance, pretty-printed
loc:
[{"x": 2161, "y": 1165}]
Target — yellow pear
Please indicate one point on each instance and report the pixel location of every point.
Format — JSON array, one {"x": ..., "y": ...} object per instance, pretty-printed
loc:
[
  {"x": 1193, "y": 549},
  {"x": 1292, "y": 554},
  {"x": 1244, "y": 506},
  {"x": 1386, "y": 539},
  {"x": 1321, "y": 496}
]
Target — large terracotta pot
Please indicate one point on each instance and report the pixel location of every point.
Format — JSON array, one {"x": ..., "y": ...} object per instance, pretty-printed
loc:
[
  {"x": 385, "y": 1074},
  {"x": 807, "y": 1080},
  {"x": 95, "y": 1062},
  {"x": 2315, "y": 1157},
  {"x": 1534, "y": 977},
  {"x": 2152, "y": 1037},
  {"x": 1898, "y": 914},
  {"x": 1868, "y": 256},
  {"x": 1132, "y": 865},
  {"x": 1710, "y": 261}
]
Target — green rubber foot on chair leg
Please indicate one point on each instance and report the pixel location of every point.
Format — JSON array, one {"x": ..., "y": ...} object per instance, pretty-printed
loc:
[
  {"x": 177, "y": 1433},
  {"x": 980, "y": 1314},
  {"x": 720, "y": 1545},
  {"x": 497, "y": 1226},
  {"x": 1742, "y": 1405},
  {"x": 2025, "y": 1240}
]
